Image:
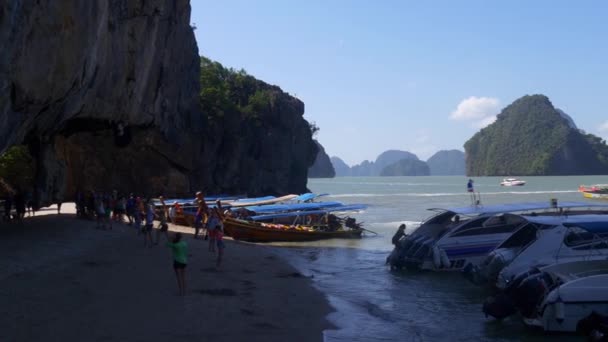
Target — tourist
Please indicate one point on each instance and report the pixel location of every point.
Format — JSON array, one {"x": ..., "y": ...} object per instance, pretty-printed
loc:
[
  {"x": 214, "y": 222},
  {"x": 149, "y": 223},
  {"x": 8, "y": 205},
  {"x": 100, "y": 211},
  {"x": 131, "y": 208},
  {"x": 219, "y": 237},
  {"x": 137, "y": 216},
  {"x": 201, "y": 213},
  {"x": 20, "y": 205},
  {"x": 163, "y": 227},
  {"x": 180, "y": 261},
  {"x": 80, "y": 204},
  {"x": 398, "y": 235}
]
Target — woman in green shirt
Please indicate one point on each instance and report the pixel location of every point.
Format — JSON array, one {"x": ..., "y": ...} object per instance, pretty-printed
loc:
[{"x": 180, "y": 260}]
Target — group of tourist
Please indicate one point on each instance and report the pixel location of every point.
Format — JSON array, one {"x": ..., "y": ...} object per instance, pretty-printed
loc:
[
  {"x": 22, "y": 202},
  {"x": 140, "y": 213}
]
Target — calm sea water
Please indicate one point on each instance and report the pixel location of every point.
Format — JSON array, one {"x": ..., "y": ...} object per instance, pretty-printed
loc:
[{"x": 376, "y": 304}]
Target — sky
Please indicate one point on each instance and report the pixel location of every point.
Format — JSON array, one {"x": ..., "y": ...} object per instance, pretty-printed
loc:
[{"x": 418, "y": 76}]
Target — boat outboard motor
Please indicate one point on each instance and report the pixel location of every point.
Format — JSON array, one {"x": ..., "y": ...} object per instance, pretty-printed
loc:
[{"x": 531, "y": 292}]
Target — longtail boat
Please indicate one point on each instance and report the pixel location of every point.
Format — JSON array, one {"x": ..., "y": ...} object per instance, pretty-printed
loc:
[{"x": 268, "y": 232}]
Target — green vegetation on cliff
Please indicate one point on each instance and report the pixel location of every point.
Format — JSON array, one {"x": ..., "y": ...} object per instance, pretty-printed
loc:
[
  {"x": 16, "y": 168},
  {"x": 406, "y": 167},
  {"x": 530, "y": 137},
  {"x": 255, "y": 135}
]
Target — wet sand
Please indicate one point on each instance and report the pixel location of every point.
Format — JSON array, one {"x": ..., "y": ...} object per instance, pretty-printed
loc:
[{"x": 63, "y": 280}]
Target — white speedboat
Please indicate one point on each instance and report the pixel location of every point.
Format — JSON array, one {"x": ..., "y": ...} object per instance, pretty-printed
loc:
[
  {"x": 456, "y": 237},
  {"x": 536, "y": 243},
  {"x": 512, "y": 182},
  {"x": 555, "y": 297},
  {"x": 580, "y": 237}
]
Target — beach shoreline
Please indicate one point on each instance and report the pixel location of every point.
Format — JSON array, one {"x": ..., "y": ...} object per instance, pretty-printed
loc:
[{"x": 64, "y": 280}]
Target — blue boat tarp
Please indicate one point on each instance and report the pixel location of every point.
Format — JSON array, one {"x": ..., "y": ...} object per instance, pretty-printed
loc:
[
  {"x": 350, "y": 207},
  {"x": 255, "y": 199},
  {"x": 308, "y": 197},
  {"x": 275, "y": 208},
  {"x": 521, "y": 207}
]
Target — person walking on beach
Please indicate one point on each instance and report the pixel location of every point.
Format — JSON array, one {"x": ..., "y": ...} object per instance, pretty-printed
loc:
[
  {"x": 131, "y": 209},
  {"x": 180, "y": 261},
  {"x": 163, "y": 227},
  {"x": 201, "y": 213},
  {"x": 219, "y": 237},
  {"x": 149, "y": 223}
]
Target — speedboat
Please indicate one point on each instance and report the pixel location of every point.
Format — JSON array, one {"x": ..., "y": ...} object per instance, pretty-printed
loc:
[
  {"x": 598, "y": 191},
  {"x": 556, "y": 297},
  {"x": 537, "y": 243},
  {"x": 456, "y": 237},
  {"x": 576, "y": 238},
  {"x": 512, "y": 182}
]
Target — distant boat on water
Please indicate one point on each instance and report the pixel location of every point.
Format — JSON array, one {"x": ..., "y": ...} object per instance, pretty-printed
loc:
[
  {"x": 596, "y": 191},
  {"x": 512, "y": 182}
]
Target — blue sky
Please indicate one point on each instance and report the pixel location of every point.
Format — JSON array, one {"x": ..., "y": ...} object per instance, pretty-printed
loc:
[{"x": 419, "y": 76}]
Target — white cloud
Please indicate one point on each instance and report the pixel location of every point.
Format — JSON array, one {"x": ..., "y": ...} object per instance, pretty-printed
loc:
[
  {"x": 475, "y": 108},
  {"x": 603, "y": 127}
]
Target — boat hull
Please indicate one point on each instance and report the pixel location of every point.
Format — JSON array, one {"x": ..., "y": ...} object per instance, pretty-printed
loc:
[
  {"x": 255, "y": 232},
  {"x": 595, "y": 195}
]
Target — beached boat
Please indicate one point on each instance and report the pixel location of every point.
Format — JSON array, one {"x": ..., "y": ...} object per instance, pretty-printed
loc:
[
  {"x": 269, "y": 232},
  {"x": 556, "y": 297},
  {"x": 303, "y": 225},
  {"x": 544, "y": 240},
  {"x": 576, "y": 238},
  {"x": 512, "y": 182},
  {"x": 457, "y": 237}
]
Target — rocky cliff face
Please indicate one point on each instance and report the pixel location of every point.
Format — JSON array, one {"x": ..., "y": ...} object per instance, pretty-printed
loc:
[
  {"x": 106, "y": 95},
  {"x": 322, "y": 167}
]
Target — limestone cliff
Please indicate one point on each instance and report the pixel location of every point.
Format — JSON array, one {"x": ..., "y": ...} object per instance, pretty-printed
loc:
[
  {"x": 341, "y": 168},
  {"x": 106, "y": 95},
  {"x": 447, "y": 163},
  {"x": 532, "y": 137},
  {"x": 322, "y": 167}
]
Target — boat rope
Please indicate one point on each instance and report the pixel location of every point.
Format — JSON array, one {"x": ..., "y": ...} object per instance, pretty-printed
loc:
[{"x": 371, "y": 231}]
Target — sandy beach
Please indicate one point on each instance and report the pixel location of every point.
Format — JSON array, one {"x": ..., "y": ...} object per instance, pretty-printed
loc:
[{"x": 64, "y": 280}]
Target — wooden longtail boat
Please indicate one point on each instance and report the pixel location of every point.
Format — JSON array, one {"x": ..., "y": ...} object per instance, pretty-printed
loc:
[{"x": 263, "y": 232}]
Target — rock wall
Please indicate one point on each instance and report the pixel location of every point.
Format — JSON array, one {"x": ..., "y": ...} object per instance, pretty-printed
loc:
[{"x": 106, "y": 95}]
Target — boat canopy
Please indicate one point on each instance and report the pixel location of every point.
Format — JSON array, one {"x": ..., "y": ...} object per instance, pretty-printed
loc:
[
  {"x": 275, "y": 208},
  {"x": 520, "y": 206},
  {"x": 350, "y": 207},
  {"x": 569, "y": 221},
  {"x": 598, "y": 224}
]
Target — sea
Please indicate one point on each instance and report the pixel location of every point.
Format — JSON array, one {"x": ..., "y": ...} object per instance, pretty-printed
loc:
[{"x": 373, "y": 303}]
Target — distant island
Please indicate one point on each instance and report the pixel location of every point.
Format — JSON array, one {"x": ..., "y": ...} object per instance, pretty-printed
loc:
[
  {"x": 532, "y": 137},
  {"x": 403, "y": 163},
  {"x": 322, "y": 167}
]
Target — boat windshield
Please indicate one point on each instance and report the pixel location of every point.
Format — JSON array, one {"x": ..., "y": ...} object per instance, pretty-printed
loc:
[
  {"x": 581, "y": 239},
  {"x": 490, "y": 225},
  {"x": 524, "y": 236},
  {"x": 440, "y": 223}
]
